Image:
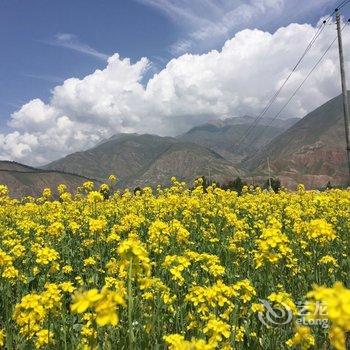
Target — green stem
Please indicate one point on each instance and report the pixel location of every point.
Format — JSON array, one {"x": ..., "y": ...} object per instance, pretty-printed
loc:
[{"x": 130, "y": 309}]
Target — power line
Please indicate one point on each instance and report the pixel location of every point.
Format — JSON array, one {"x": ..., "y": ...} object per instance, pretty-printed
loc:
[
  {"x": 274, "y": 97},
  {"x": 300, "y": 85},
  {"x": 342, "y": 4}
]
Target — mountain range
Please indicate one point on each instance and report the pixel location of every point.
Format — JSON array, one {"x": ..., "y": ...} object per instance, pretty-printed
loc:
[
  {"x": 226, "y": 137},
  {"x": 23, "y": 180},
  {"x": 310, "y": 150},
  {"x": 140, "y": 160}
]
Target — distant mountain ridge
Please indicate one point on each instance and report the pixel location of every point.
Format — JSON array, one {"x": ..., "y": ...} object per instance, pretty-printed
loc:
[
  {"x": 8, "y": 165},
  {"x": 309, "y": 150},
  {"x": 226, "y": 137},
  {"x": 248, "y": 120},
  {"x": 140, "y": 160},
  {"x": 312, "y": 151},
  {"x": 23, "y": 180}
]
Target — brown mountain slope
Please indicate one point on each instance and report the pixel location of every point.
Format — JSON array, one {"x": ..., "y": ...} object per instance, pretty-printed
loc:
[
  {"x": 223, "y": 136},
  {"x": 187, "y": 161},
  {"x": 23, "y": 180},
  {"x": 311, "y": 152},
  {"x": 140, "y": 160},
  {"x": 10, "y": 165},
  {"x": 126, "y": 155}
]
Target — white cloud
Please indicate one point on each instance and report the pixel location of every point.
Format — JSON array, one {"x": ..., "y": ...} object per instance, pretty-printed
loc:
[
  {"x": 49, "y": 78},
  {"x": 181, "y": 46},
  {"x": 237, "y": 80},
  {"x": 205, "y": 23},
  {"x": 72, "y": 42},
  {"x": 33, "y": 116},
  {"x": 16, "y": 144}
]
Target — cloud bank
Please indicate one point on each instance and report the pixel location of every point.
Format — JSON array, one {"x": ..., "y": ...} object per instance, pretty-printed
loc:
[
  {"x": 205, "y": 23},
  {"x": 237, "y": 80}
]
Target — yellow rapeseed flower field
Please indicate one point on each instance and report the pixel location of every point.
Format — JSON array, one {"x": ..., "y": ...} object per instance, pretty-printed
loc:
[{"x": 175, "y": 268}]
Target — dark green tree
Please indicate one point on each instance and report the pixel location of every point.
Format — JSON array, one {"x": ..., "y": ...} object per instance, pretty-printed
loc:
[
  {"x": 275, "y": 184},
  {"x": 234, "y": 185}
]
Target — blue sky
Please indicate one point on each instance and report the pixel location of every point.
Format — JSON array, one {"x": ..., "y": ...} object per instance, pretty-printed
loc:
[
  {"x": 46, "y": 42},
  {"x": 30, "y": 66}
]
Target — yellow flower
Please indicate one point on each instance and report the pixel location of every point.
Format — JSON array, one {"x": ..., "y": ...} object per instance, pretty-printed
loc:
[
  {"x": 10, "y": 272},
  {"x": 256, "y": 307},
  {"x": 46, "y": 255},
  {"x": 104, "y": 188},
  {"x": 5, "y": 259},
  {"x": 103, "y": 303},
  {"x": 327, "y": 259},
  {"x": 97, "y": 225},
  {"x": 66, "y": 197},
  {"x": 89, "y": 261},
  {"x": 79, "y": 280},
  {"x": 2, "y": 337},
  {"x": 283, "y": 299},
  {"x": 67, "y": 287},
  {"x": 106, "y": 307},
  {"x": 178, "y": 342},
  {"x": 55, "y": 229},
  {"x": 94, "y": 197},
  {"x": 42, "y": 338},
  {"x": 273, "y": 246},
  {"x": 192, "y": 259},
  {"x": 320, "y": 231},
  {"x": 18, "y": 250},
  {"x": 337, "y": 338},
  {"x": 47, "y": 193},
  {"x": 332, "y": 304},
  {"x": 88, "y": 185},
  {"x": 82, "y": 301},
  {"x": 67, "y": 269},
  {"x": 302, "y": 338},
  {"x": 62, "y": 188},
  {"x": 238, "y": 333},
  {"x": 3, "y": 191},
  {"x": 112, "y": 178},
  {"x": 217, "y": 330},
  {"x": 132, "y": 250},
  {"x": 31, "y": 312}
]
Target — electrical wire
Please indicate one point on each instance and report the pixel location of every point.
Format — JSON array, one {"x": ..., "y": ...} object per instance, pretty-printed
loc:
[
  {"x": 276, "y": 94},
  {"x": 274, "y": 97},
  {"x": 300, "y": 85}
]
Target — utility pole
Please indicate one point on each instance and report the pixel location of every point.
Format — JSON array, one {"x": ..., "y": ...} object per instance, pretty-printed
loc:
[
  {"x": 268, "y": 165},
  {"x": 209, "y": 175},
  {"x": 344, "y": 90}
]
